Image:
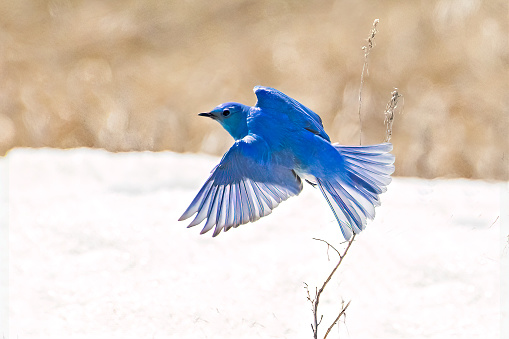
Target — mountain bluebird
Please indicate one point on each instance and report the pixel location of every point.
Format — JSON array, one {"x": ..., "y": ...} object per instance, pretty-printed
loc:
[{"x": 279, "y": 142}]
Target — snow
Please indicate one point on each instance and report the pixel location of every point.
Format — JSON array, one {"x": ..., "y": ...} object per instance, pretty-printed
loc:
[{"x": 95, "y": 251}]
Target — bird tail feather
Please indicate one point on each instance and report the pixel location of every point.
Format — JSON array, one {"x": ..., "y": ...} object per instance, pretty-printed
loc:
[{"x": 354, "y": 193}]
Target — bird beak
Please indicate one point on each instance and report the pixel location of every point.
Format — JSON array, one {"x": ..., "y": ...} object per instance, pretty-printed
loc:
[{"x": 207, "y": 114}]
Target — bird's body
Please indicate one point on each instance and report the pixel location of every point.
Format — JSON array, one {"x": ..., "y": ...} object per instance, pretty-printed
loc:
[{"x": 277, "y": 142}]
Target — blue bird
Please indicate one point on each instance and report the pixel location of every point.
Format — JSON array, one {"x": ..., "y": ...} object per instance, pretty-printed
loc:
[{"x": 279, "y": 142}]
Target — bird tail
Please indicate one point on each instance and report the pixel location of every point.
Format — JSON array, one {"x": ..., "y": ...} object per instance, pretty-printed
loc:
[{"x": 354, "y": 193}]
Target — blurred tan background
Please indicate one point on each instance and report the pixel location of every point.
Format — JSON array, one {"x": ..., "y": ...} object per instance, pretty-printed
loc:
[{"x": 132, "y": 75}]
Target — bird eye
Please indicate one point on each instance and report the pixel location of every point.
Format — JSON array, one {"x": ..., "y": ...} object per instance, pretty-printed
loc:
[{"x": 226, "y": 113}]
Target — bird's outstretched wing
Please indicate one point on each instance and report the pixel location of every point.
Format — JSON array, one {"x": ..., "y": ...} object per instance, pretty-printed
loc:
[
  {"x": 244, "y": 187},
  {"x": 299, "y": 114}
]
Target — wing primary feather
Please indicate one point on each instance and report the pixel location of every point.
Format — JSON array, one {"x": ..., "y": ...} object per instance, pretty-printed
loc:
[
  {"x": 272, "y": 194},
  {"x": 230, "y": 220},
  {"x": 213, "y": 210},
  {"x": 263, "y": 202},
  {"x": 268, "y": 201},
  {"x": 244, "y": 209},
  {"x": 248, "y": 209},
  {"x": 204, "y": 207},
  {"x": 223, "y": 210},
  {"x": 277, "y": 193},
  {"x": 237, "y": 207},
  {"x": 258, "y": 206},
  {"x": 197, "y": 201},
  {"x": 250, "y": 201},
  {"x": 230, "y": 216}
]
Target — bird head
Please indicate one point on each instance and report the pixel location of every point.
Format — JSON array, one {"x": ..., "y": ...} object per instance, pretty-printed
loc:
[{"x": 232, "y": 116}]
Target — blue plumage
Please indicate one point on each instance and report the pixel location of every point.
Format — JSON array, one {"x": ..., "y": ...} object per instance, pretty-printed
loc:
[{"x": 277, "y": 142}]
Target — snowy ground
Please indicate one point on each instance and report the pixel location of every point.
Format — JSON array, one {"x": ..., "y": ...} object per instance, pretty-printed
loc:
[{"x": 95, "y": 251}]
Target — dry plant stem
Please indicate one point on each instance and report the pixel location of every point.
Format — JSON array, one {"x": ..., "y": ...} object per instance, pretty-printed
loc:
[
  {"x": 392, "y": 104},
  {"x": 367, "y": 49},
  {"x": 319, "y": 292},
  {"x": 389, "y": 114}
]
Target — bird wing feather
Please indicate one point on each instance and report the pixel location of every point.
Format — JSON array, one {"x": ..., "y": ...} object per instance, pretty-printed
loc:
[
  {"x": 244, "y": 187},
  {"x": 271, "y": 98}
]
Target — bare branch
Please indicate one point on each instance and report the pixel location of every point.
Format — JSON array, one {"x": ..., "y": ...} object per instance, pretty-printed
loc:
[
  {"x": 335, "y": 268},
  {"x": 329, "y": 245},
  {"x": 318, "y": 292},
  {"x": 343, "y": 310}
]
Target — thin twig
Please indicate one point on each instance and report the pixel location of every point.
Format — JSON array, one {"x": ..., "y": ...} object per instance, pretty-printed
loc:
[
  {"x": 335, "y": 268},
  {"x": 329, "y": 245},
  {"x": 316, "y": 300},
  {"x": 343, "y": 310},
  {"x": 494, "y": 221},
  {"x": 367, "y": 49}
]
